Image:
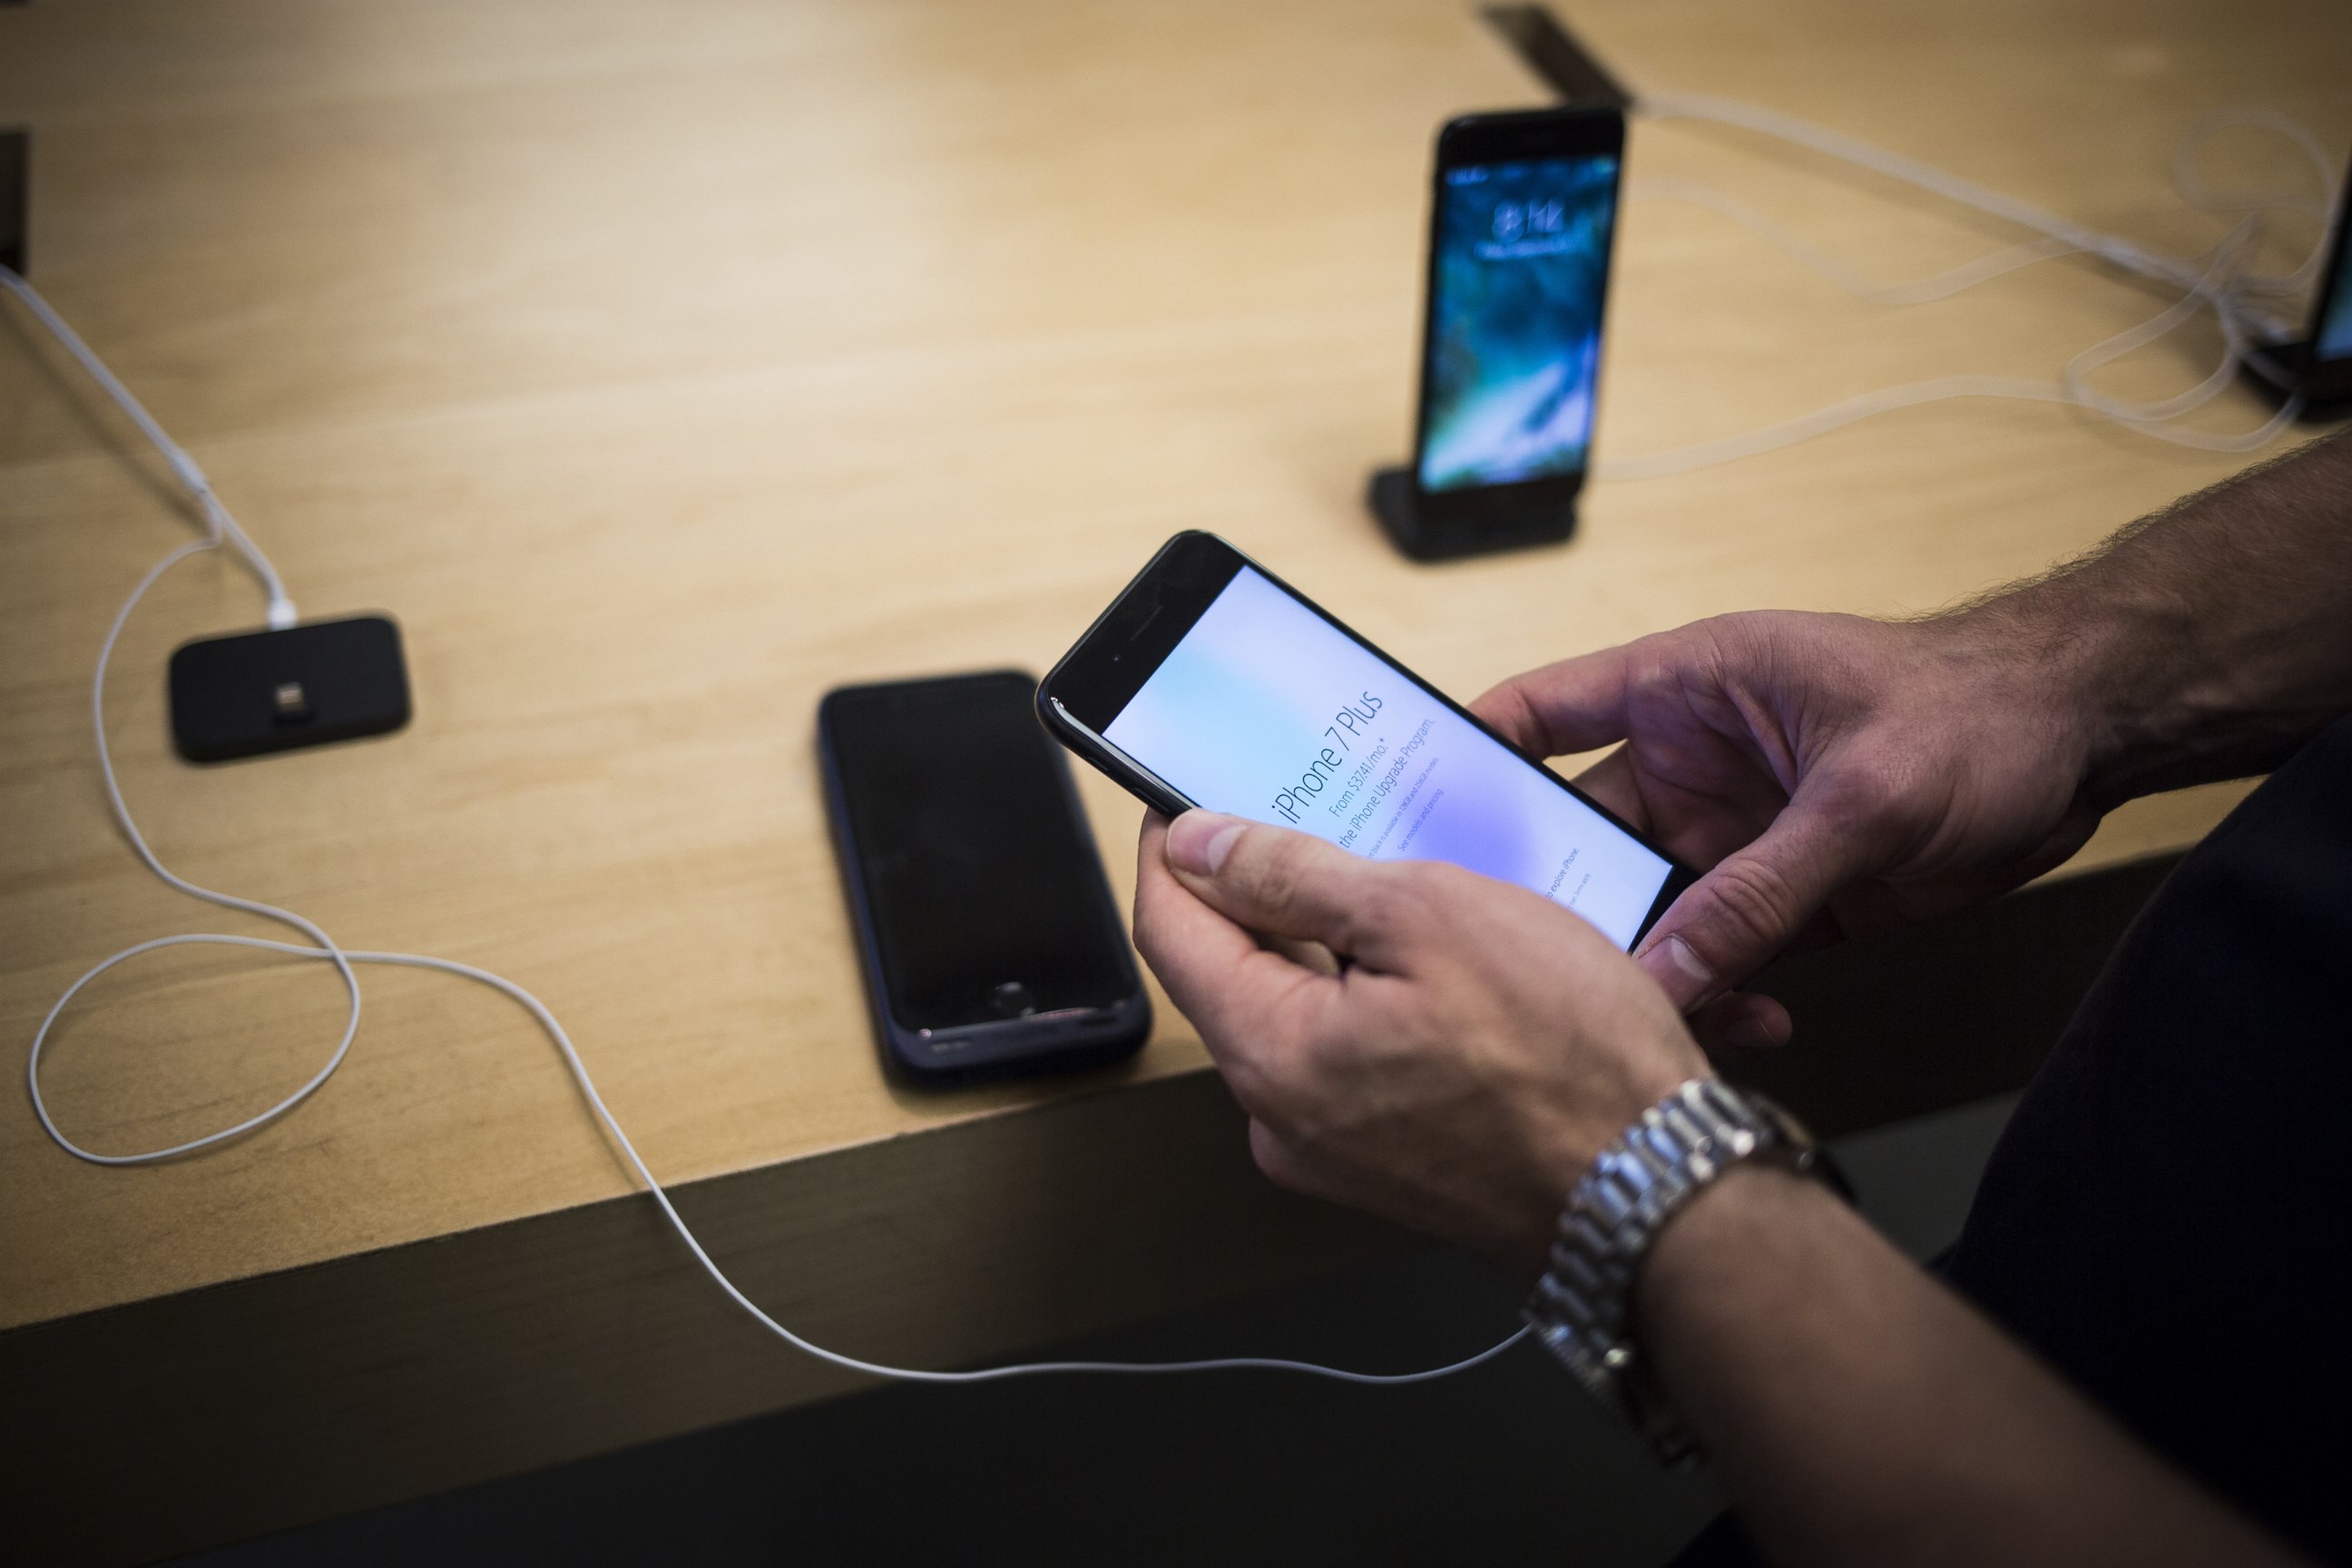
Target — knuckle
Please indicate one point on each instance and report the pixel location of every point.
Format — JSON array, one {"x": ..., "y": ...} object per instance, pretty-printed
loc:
[
  {"x": 1265, "y": 1065},
  {"x": 1657, "y": 672},
  {"x": 1888, "y": 805},
  {"x": 1149, "y": 940},
  {"x": 1720, "y": 644},
  {"x": 1248, "y": 1086},
  {"x": 1275, "y": 865},
  {"x": 1384, "y": 902},
  {"x": 1288, "y": 1089},
  {"x": 1423, "y": 894},
  {"x": 1511, "y": 709},
  {"x": 1420, "y": 886},
  {"x": 1276, "y": 1160},
  {"x": 1755, "y": 900},
  {"x": 1254, "y": 1077},
  {"x": 1312, "y": 1056}
]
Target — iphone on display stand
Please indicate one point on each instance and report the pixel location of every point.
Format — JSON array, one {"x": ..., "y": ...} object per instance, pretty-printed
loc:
[
  {"x": 1523, "y": 215},
  {"x": 1211, "y": 682}
]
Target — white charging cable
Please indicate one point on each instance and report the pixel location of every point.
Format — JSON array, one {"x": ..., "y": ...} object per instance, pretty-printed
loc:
[
  {"x": 2127, "y": 255},
  {"x": 2218, "y": 284},
  {"x": 221, "y": 529}
]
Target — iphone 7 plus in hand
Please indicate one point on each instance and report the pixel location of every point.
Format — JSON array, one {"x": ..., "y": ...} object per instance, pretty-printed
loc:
[
  {"x": 1211, "y": 682},
  {"x": 988, "y": 937}
]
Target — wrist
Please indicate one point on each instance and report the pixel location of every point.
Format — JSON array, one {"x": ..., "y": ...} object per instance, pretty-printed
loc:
[
  {"x": 1569, "y": 1132},
  {"x": 1700, "y": 1136},
  {"x": 2160, "y": 680},
  {"x": 1732, "y": 1239},
  {"x": 2073, "y": 675},
  {"x": 1747, "y": 1252}
]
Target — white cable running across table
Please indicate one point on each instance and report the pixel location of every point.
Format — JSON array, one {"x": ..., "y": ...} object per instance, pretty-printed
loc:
[{"x": 2216, "y": 283}]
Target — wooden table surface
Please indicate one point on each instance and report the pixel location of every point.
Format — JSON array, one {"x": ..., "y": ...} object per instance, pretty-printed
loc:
[{"x": 660, "y": 367}]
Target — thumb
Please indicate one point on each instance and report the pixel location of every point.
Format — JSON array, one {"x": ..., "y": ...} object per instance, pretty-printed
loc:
[
  {"x": 1736, "y": 918},
  {"x": 1281, "y": 883}
]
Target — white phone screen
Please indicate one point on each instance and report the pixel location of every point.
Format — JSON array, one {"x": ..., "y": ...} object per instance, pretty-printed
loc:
[{"x": 1266, "y": 711}]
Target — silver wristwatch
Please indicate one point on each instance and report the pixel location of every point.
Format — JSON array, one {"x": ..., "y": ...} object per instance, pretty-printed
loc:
[{"x": 1580, "y": 1307}]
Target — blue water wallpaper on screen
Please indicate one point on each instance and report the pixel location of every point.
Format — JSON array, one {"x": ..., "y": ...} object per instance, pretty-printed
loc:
[{"x": 1515, "y": 319}]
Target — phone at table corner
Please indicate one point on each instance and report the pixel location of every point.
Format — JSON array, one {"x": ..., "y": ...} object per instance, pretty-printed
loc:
[
  {"x": 2322, "y": 363},
  {"x": 990, "y": 940},
  {"x": 1522, "y": 221},
  {"x": 1210, "y": 681}
]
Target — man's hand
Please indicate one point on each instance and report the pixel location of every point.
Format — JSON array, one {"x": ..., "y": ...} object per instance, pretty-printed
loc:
[
  {"x": 1836, "y": 773},
  {"x": 1461, "y": 1070},
  {"x": 1481, "y": 1046}
]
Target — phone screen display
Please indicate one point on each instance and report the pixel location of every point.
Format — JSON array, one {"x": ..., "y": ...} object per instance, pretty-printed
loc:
[
  {"x": 1520, "y": 263},
  {"x": 1265, "y": 710},
  {"x": 980, "y": 877}
]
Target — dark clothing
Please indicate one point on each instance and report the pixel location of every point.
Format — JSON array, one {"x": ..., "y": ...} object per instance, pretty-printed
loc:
[{"x": 2167, "y": 1219}]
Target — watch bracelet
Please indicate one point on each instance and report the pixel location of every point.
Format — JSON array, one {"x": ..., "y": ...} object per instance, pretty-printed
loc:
[{"x": 1581, "y": 1308}]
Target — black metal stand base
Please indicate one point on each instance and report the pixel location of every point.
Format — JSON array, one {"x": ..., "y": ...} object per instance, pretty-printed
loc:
[
  {"x": 2315, "y": 410},
  {"x": 1396, "y": 502}
]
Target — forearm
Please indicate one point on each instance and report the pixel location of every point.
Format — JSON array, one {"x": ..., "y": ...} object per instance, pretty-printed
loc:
[
  {"x": 1861, "y": 1414},
  {"x": 2208, "y": 641}
]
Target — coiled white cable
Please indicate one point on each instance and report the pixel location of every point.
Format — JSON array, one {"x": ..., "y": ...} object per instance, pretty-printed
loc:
[
  {"x": 2072, "y": 388},
  {"x": 221, "y": 529},
  {"x": 2123, "y": 253},
  {"x": 1914, "y": 291},
  {"x": 2218, "y": 284}
]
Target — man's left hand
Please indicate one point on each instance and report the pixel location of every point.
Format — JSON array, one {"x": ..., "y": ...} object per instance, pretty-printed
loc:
[{"x": 1457, "y": 1073}]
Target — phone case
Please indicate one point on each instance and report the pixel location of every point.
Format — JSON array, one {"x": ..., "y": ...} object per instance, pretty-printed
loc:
[{"x": 1013, "y": 1047}]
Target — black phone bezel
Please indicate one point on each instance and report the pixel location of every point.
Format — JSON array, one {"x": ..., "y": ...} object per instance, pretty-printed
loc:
[
  {"x": 1064, "y": 1040},
  {"x": 1569, "y": 131},
  {"x": 1108, "y": 664},
  {"x": 2329, "y": 381}
]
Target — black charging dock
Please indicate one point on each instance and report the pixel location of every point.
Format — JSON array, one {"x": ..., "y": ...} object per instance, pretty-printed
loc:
[
  {"x": 308, "y": 685},
  {"x": 1396, "y": 501},
  {"x": 2289, "y": 375}
]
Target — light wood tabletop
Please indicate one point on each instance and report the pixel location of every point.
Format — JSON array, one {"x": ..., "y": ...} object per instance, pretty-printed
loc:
[{"x": 660, "y": 367}]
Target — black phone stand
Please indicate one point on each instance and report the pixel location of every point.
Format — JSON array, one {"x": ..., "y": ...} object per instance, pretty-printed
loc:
[
  {"x": 308, "y": 685},
  {"x": 1396, "y": 501},
  {"x": 2288, "y": 359}
]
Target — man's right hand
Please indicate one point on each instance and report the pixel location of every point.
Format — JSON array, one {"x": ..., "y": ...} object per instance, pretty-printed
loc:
[{"x": 1834, "y": 773}]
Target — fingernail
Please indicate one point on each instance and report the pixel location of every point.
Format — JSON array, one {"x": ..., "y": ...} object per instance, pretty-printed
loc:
[
  {"x": 1691, "y": 982},
  {"x": 1199, "y": 841},
  {"x": 1755, "y": 1034},
  {"x": 1687, "y": 960}
]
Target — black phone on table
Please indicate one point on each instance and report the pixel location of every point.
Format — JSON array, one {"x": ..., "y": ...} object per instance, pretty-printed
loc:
[
  {"x": 1211, "y": 682},
  {"x": 1523, "y": 215},
  {"x": 2320, "y": 366},
  {"x": 990, "y": 940}
]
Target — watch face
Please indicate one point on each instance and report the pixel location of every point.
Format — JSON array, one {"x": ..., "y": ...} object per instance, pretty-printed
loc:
[
  {"x": 1793, "y": 1133},
  {"x": 1794, "y": 1144}
]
